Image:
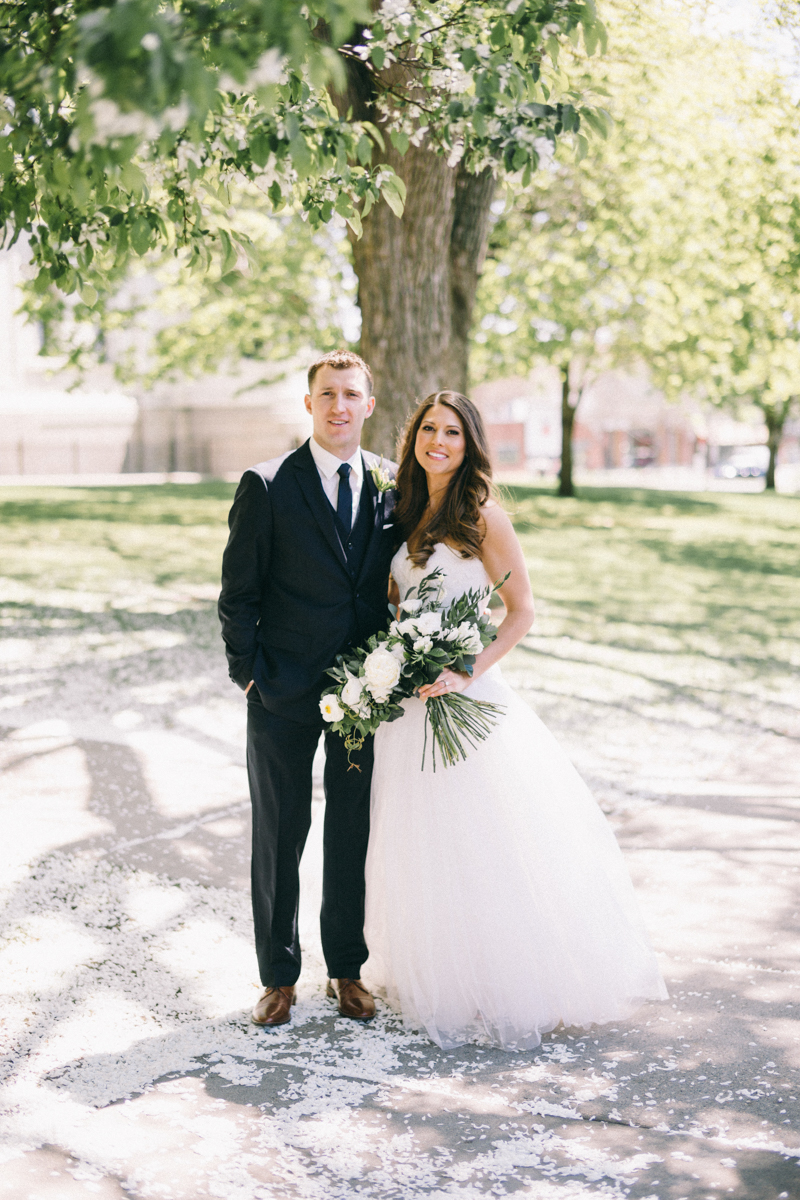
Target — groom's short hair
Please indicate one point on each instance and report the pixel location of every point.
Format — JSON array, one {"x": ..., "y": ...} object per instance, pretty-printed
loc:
[{"x": 340, "y": 360}]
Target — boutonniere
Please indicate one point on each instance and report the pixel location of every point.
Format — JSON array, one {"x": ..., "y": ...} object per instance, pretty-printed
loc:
[{"x": 381, "y": 478}]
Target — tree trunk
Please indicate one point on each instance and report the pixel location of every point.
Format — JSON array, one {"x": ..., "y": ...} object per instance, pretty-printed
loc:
[
  {"x": 566, "y": 486},
  {"x": 417, "y": 276},
  {"x": 775, "y": 417}
]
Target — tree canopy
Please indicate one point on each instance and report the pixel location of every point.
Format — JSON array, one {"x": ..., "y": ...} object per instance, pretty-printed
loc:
[{"x": 125, "y": 120}]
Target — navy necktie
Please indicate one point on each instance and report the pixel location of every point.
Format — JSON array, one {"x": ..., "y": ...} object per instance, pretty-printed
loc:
[{"x": 344, "y": 503}]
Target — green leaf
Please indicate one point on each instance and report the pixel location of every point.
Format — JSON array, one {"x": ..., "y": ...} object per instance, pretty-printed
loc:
[
  {"x": 378, "y": 56},
  {"x": 141, "y": 234},
  {"x": 375, "y": 134},
  {"x": 133, "y": 178},
  {"x": 354, "y": 221},
  {"x": 364, "y": 150},
  {"x": 229, "y": 252},
  {"x": 595, "y": 119},
  {"x": 260, "y": 148},
  {"x": 400, "y": 141},
  {"x": 301, "y": 156}
]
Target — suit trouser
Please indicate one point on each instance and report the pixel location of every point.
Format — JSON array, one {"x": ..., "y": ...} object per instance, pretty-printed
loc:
[{"x": 280, "y": 754}]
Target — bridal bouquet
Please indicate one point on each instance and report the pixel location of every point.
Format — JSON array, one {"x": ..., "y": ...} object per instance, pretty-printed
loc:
[{"x": 424, "y": 638}]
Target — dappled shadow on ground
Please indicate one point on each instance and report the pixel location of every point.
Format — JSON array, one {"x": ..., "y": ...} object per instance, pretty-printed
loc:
[
  {"x": 381, "y": 1106},
  {"x": 131, "y": 943}
]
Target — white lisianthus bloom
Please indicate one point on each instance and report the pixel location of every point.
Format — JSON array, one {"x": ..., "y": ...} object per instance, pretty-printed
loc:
[
  {"x": 331, "y": 709},
  {"x": 407, "y": 628},
  {"x": 451, "y": 635},
  {"x": 410, "y": 605},
  {"x": 424, "y": 644},
  {"x": 429, "y": 622},
  {"x": 351, "y": 692},
  {"x": 381, "y": 670},
  {"x": 379, "y": 695},
  {"x": 398, "y": 650},
  {"x": 472, "y": 643}
]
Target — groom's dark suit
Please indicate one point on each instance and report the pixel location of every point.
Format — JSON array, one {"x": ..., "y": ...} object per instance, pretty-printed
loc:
[{"x": 296, "y": 591}]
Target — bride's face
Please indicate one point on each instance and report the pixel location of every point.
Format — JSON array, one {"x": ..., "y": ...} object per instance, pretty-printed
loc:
[{"x": 440, "y": 446}]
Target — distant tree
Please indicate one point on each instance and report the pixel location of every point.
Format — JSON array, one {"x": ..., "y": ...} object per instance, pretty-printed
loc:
[
  {"x": 742, "y": 341},
  {"x": 671, "y": 243},
  {"x": 125, "y": 120}
]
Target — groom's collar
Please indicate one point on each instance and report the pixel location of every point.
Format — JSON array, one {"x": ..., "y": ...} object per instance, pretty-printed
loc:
[{"x": 328, "y": 464}]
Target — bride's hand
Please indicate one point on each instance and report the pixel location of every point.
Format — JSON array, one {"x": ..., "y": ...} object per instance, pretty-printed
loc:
[{"x": 447, "y": 682}]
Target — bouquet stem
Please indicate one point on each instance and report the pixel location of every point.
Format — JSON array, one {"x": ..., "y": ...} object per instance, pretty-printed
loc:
[{"x": 453, "y": 718}]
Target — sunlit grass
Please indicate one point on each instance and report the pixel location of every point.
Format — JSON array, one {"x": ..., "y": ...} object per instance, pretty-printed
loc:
[
  {"x": 651, "y": 570},
  {"x": 713, "y": 575},
  {"x": 658, "y": 614},
  {"x": 96, "y": 539}
]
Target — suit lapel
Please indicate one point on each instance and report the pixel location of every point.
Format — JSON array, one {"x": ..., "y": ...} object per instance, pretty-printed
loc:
[
  {"x": 370, "y": 488},
  {"x": 311, "y": 487}
]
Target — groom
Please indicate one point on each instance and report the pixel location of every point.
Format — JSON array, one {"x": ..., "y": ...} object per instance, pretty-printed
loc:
[{"x": 304, "y": 576}]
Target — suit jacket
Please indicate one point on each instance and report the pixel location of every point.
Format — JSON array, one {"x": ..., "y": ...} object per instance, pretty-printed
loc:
[{"x": 288, "y": 603}]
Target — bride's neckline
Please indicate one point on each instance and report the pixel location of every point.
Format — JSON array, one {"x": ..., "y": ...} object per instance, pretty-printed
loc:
[{"x": 442, "y": 545}]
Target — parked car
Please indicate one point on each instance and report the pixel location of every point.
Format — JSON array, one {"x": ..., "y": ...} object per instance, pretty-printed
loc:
[{"x": 745, "y": 462}]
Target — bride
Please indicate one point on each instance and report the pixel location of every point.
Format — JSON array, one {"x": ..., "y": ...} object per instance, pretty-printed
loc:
[{"x": 498, "y": 904}]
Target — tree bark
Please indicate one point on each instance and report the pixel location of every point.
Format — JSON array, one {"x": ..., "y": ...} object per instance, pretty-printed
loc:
[
  {"x": 566, "y": 486},
  {"x": 417, "y": 276},
  {"x": 775, "y": 417}
]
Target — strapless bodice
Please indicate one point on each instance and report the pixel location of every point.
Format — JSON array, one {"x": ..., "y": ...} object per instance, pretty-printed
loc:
[{"x": 460, "y": 574}]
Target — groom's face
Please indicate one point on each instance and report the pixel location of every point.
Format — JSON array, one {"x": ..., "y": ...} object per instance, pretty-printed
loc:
[{"x": 339, "y": 404}]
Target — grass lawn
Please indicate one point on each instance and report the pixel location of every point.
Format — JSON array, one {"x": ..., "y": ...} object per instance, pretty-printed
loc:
[{"x": 646, "y": 599}]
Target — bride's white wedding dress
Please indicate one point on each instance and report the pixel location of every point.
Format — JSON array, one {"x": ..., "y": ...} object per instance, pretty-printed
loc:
[{"x": 498, "y": 902}]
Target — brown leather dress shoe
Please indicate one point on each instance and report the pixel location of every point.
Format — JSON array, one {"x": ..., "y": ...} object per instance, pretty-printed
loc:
[
  {"x": 275, "y": 1006},
  {"x": 354, "y": 999}
]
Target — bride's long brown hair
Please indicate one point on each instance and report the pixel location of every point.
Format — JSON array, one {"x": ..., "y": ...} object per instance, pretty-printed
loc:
[{"x": 457, "y": 520}]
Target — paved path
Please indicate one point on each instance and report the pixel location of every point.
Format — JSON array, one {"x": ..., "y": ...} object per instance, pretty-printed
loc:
[{"x": 128, "y": 973}]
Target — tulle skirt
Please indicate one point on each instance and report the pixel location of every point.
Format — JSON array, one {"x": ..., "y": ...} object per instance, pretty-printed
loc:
[{"x": 498, "y": 902}]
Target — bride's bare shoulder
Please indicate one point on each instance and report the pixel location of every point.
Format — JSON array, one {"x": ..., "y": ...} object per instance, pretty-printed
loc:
[{"x": 495, "y": 518}]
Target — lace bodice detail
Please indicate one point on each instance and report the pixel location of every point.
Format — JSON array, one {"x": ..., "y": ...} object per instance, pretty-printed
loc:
[{"x": 460, "y": 574}]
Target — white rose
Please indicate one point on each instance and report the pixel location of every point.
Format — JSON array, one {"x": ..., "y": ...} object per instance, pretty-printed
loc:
[
  {"x": 398, "y": 651},
  {"x": 407, "y": 628},
  {"x": 429, "y": 622},
  {"x": 424, "y": 644},
  {"x": 331, "y": 709},
  {"x": 411, "y": 606},
  {"x": 381, "y": 670},
  {"x": 351, "y": 692},
  {"x": 379, "y": 695}
]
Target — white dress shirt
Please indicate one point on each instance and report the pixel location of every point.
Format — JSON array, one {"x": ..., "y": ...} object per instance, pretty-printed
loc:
[{"x": 328, "y": 466}]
